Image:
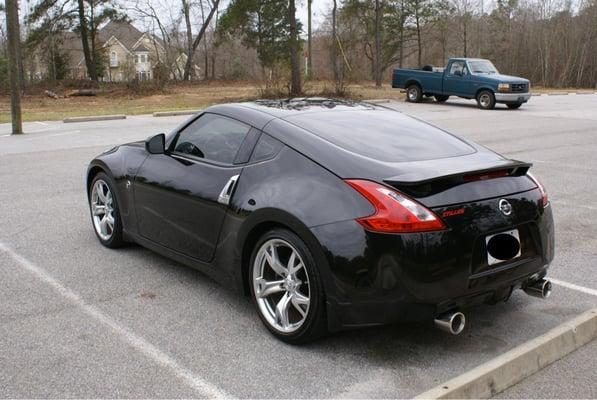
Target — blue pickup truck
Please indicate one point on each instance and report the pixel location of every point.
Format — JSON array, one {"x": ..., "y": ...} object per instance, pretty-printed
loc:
[{"x": 469, "y": 78}]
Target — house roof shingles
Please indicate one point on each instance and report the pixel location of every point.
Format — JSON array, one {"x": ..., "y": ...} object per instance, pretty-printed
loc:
[{"x": 125, "y": 32}]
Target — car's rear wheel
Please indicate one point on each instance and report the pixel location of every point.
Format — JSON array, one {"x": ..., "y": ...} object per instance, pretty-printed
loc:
[
  {"x": 286, "y": 287},
  {"x": 514, "y": 106},
  {"x": 105, "y": 214},
  {"x": 441, "y": 98},
  {"x": 486, "y": 100},
  {"x": 414, "y": 94}
]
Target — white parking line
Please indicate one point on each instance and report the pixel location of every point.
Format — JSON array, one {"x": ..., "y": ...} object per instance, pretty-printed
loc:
[
  {"x": 203, "y": 387},
  {"x": 565, "y": 203},
  {"x": 574, "y": 287}
]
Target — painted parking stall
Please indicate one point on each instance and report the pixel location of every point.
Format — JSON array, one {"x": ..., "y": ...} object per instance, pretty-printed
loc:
[{"x": 159, "y": 329}]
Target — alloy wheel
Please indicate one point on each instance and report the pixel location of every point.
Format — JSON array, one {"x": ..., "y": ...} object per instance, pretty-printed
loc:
[
  {"x": 281, "y": 285},
  {"x": 102, "y": 209}
]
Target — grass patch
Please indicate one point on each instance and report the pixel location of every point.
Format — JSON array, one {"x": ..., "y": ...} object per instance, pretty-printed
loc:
[{"x": 118, "y": 99}]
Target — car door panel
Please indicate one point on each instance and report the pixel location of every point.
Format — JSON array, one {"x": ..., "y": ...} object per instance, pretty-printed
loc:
[
  {"x": 177, "y": 203},
  {"x": 177, "y": 193}
]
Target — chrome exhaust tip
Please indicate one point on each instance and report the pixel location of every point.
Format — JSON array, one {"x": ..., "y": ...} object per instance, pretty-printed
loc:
[
  {"x": 452, "y": 322},
  {"x": 541, "y": 288}
]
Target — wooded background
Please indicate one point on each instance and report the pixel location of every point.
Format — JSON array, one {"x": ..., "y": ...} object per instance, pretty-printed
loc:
[{"x": 551, "y": 42}]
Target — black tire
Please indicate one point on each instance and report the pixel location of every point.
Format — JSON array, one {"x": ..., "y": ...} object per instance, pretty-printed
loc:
[
  {"x": 441, "y": 98},
  {"x": 115, "y": 238},
  {"x": 314, "y": 324},
  {"x": 486, "y": 100},
  {"x": 513, "y": 106},
  {"x": 414, "y": 94}
]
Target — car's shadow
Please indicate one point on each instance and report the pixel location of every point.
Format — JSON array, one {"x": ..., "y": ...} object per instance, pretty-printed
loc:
[{"x": 468, "y": 104}]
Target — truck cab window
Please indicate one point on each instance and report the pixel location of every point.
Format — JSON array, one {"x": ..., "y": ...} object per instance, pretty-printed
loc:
[{"x": 458, "y": 68}]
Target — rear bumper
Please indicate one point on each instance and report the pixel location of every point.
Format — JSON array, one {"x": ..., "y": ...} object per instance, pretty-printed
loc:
[
  {"x": 378, "y": 279},
  {"x": 512, "y": 97}
]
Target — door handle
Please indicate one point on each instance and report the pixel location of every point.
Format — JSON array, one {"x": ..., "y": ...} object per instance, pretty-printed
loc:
[{"x": 226, "y": 193}]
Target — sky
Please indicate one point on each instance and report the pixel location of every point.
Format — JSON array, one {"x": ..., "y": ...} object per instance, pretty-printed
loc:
[{"x": 319, "y": 8}]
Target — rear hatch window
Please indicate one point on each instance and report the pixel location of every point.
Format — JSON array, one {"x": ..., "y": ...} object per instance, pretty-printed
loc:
[{"x": 387, "y": 136}]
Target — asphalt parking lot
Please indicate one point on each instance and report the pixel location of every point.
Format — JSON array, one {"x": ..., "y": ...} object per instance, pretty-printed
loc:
[{"x": 80, "y": 320}]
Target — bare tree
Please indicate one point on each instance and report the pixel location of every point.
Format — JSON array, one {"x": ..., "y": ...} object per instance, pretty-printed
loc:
[{"x": 193, "y": 43}]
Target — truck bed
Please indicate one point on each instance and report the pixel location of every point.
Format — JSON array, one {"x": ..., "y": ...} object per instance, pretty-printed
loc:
[{"x": 430, "y": 80}]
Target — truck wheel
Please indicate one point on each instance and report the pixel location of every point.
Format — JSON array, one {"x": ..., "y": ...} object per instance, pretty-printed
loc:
[
  {"x": 514, "y": 106},
  {"x": 441, "y": 98},
  {"x": 486, "y": 100},
  {"x": 414, "y": 94}
]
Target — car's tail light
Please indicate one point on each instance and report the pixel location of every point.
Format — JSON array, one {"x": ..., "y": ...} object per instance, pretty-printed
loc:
[
  {"x": 394, "y": 212},
  {"x": 544, "y": 197}
]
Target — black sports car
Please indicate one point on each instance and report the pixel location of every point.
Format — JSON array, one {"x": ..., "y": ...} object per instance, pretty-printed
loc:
[{"x": 330, "y": 214}]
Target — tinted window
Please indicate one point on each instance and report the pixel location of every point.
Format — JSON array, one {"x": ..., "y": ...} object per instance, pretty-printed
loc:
[
  {"x": 212, "y": 137},
  {"x": 383, "y": 135},
  {"x": 266, "y": 148}
]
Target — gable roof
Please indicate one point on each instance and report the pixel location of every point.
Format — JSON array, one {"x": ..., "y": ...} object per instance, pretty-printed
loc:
[
  {"x": 125, "y": 32},
  {"x": 141, "y": 48}
]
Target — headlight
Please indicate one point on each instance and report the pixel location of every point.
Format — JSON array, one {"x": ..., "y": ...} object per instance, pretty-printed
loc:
[{"x": 503, "y": 87}]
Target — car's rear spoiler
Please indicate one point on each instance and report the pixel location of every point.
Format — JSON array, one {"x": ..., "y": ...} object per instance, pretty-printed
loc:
[{"x": 429, "y": 177}]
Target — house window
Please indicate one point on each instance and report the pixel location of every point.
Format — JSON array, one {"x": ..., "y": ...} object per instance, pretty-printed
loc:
[{"x": 113, "y": 59}]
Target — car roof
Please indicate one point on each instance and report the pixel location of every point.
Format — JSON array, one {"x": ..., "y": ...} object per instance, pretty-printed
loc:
[{"x": 281, "y": 108}]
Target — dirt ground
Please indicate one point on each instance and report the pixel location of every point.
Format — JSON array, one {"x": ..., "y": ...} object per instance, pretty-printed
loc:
[{"x": 119, "y": 100}]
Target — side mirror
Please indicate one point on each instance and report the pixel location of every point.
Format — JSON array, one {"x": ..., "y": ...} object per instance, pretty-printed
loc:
[
  {"x": 156, "y": 144},
  {"x": 458, "y": 73}
]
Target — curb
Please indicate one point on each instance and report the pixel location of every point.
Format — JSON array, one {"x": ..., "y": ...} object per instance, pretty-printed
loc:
[
  {"x": 377, "y": 101},
  {"x": 512, "y": 367},
  {"x": 175, "y": 113},
  {"x": 94, "y": 118}
]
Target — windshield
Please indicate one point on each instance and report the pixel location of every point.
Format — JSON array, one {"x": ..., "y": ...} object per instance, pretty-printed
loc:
[{"x": 482, "y": 67}]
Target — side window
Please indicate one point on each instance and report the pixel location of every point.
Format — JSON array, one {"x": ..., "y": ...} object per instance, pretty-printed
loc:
[
  {"x": 266, "y": 148},
  {"x": 212, "y": 137},
  {"x": 457, "y": 66}
]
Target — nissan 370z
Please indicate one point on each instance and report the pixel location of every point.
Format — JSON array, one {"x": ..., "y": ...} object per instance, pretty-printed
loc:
[{"x": 330, "y": 215}]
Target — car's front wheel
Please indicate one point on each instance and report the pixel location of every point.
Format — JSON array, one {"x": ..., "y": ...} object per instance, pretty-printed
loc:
[
  {"x": 286, "y": 287},
  {"x": 105, "y": 214},
  {"x": 486, "y": 100}
]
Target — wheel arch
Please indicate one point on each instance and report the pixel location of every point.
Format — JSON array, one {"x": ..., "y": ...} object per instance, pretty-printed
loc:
[
  {"x": 413, "y": 82},
  {"x": 483, "y": 88},
  {"x": 263, "y": 221},
  {"x": 94, "y": 169}
]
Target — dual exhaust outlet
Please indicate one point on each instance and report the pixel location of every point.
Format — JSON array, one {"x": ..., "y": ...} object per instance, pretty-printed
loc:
[{"x": 454, "y": 321}]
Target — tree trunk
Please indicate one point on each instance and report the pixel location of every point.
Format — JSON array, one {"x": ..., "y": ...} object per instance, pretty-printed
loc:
[
  {"x": 206, "y": 55},
  {"x": 189, "y": 64},
  {"x": 309, "y": 38},
  {"x": 465, "y": 36},
  {"x": 15, "y": 78},
  {"x": 186, "y": 10},
  {"x": 401, "y": 57},
  {"x": 334, "y": 52},
  {"x": 295, "y": 64},
  {"x": 419, "y": 45},
  {"x": 377, "y": 58},
  {"x": 91, "y": 72}
]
